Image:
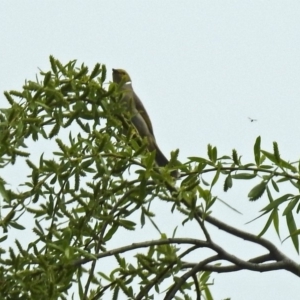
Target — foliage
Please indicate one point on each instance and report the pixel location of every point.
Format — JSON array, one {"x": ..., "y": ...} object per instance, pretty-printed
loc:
[{"x": 98, "y": 178}]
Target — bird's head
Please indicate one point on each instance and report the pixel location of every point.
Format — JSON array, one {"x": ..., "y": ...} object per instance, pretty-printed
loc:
[{"x": 120, "y": 75}]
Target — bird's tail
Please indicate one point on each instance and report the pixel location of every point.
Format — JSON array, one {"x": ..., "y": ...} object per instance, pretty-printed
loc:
[{"x": 162, "y": 161}]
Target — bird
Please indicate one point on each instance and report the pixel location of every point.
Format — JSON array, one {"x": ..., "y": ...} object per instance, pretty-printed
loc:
[
  {"x": 252, "y": 120},
  {"x": 140, "y": 118}
]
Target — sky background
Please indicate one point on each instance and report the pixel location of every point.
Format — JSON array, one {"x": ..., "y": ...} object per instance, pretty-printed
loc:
[{"x": 201, "y": 68}]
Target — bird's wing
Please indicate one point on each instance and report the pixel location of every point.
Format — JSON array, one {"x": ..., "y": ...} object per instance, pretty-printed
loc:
[
  {"x": 139, "y": 106},
  {"x": 142, "y": 110}
]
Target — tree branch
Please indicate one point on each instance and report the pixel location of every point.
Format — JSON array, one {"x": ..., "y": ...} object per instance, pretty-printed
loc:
[
  {"x": 198, "y": 243},
  {"x": 159, "y": 276},
  {"x": 172, "y": 291}
]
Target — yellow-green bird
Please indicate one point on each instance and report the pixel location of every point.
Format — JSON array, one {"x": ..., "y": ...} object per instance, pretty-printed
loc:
[{"x": 140, "y": 118}]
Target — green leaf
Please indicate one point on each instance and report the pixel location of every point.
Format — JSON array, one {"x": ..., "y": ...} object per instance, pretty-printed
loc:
[
  {"x": 54, "y": 130},
  {"x": 53, "y": 64},
  {"x": 269, "y": 195},
  {"x": 282, "y": 163},
  {"x": 9, "y": 98},
  {"x": 257, "y": 150},
  {"x": 204, "y": 182},
  {"x": 129, "y": 225},
  {"x": 3, "y": 191},
  {"x": 292, "y": 229},
  {"x": 291, "y": 206},
  {"x": 209, "y": 151},
  {"x": 257, "y": 191},
  {"x": 17, "y": 94},
  {"x": 81, "y": 73},
  {"x": 257, "y": 217},
  {"x": 61, "y": 68},
  {"x": 193, "y": 183},
  {"x": 116, "y": 293},
  {"x": 267, "y": 167},
  {"x": 228, "y": 183},
  {"x": 216, "y": 177},
  {"x": 3, "y": 238},
  {"x": 277, "y": 202},
  {"x": 205, "y": 194},
  {"x": 111, "y": 232},
  {"x": 104, "y": 276},
  {"x": 47, "y": 78},
  {"x": 243, "y": 176},
  {"x": 199, "y": 160},
  {"x": 275, "y": 186},
  {"x": 215, "y": 154},
  {"x": 84, "y": 253},
  {"x": 96, "y": 71},
  {"x": 87, "y": 163},
  {"x": 267, "y": 225},
  {"x": 208, "y": 294},
  {"x": 283, "y": 179},
  {"x": 235, "y": 157},
  {"x": 149, "y": 160},
  {"x": 269, "y": 155},
  {"x": 246, "y": 166},
  {"x": 287, "y": 165},
  {"x": 276, "y": 152},
  {"x": 20, "y": 153},
  {"x": 276, "y": 221},
  {"x": 16, "y": 225},
  {"x": 212, "y": 153},
  {"x": 103, "y": 74}
]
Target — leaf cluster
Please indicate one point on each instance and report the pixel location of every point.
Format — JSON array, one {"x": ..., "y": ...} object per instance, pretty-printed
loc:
[{"x": 98, "y": 178}]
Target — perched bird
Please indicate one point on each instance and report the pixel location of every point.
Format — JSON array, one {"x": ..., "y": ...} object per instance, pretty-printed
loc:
[{"x": 140, "y": 118}]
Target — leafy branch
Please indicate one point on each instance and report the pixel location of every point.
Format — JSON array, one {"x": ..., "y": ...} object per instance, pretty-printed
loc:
[{"x": 96, "y": 181}]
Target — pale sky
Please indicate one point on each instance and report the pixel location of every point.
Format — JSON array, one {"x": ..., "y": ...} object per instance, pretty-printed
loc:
[{"x": 201, "y": 68}]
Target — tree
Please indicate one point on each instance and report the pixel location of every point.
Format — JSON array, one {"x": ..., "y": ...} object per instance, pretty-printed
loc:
[{"x": 98, "y": 180}]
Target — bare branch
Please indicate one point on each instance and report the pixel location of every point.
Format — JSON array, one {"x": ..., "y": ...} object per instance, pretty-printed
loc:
[
  {"x": 159, "y": 276},
  {"x": 282, "y": 174},
  {"x": 198, "y": 243},
  {"x": 234, "y": 268},
  {"x": 197, "y": 285},
  {"x": 172, "y": 291}
]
